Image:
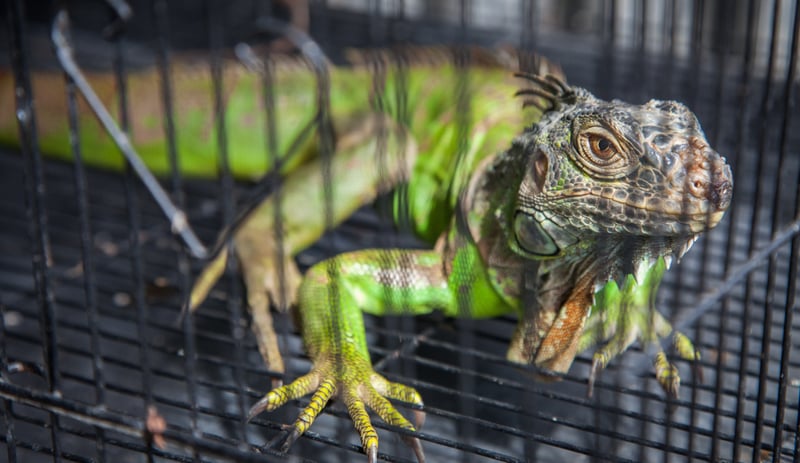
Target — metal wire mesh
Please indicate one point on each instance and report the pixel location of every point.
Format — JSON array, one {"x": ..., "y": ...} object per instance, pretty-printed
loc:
[{"x": 92, "y": 280}]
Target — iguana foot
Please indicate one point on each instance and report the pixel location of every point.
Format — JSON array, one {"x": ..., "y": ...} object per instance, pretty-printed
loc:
[
  {"x": 359, "y": 387},
  {"x": 648, "y": 330},
  {"x": 266, "y": 283}
]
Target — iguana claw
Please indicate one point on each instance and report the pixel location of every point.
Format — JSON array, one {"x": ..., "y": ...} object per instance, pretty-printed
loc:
[
  {"x": 283, "y": 441},
  {"x": 623, "y": 314},
  {"x": 686, "y": 350},
  {"x": 666, "y": 372},
  {"x": 597, "y": 366},
  {"x": 359, "y": 388}
]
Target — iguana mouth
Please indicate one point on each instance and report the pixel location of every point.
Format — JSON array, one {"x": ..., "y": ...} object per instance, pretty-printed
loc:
[
  {"x": 664, "y": 217},
  {"x": 698, "y": 220}
]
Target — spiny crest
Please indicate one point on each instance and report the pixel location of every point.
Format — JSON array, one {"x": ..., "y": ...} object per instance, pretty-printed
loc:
[
  {"x": 433, "y": 56},
  {"x": 548, "y": 94}
]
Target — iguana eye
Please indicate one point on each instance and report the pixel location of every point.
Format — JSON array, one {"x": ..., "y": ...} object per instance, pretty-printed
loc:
[
  {"x": 601, "y": 154},
  {"x": 601, "y": 146}
]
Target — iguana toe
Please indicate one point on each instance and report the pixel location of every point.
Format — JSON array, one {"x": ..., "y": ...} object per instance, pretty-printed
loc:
[
  {"x": 374, "y": 395},
  {"x": 271, "y": 279},
  {"x": 686, "y": 350},
  {"x": 648, "y": 330},
  {"x": 403, "y": 393},
  {"x": 359, "y": 388},
  {"x": 279, "y": 396},
  {"x": 667, "y": 374},
  {"x": 208, "y": 277}
]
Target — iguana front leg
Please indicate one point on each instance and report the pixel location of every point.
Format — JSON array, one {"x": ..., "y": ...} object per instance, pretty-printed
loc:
[
  {"x": 381, "y": 282},
  {"x": 358, "y": 175},
  {"x": 627, "y": 313},
  {"x": 331, "y": 298}
]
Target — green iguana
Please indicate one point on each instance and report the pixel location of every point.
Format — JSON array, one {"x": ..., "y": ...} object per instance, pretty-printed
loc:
[{"x": 566, "y": 211}]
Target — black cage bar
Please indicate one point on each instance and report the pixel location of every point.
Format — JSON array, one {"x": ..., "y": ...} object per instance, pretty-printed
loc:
[{"x": 93, "y": 348}]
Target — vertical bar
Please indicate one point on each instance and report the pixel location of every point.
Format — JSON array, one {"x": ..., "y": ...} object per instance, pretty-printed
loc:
[
  {"x": 697, "y": 51},
  {"x": 614, "y": 418},
  {"x": 645, "y": 409},
  {"x": 134, "y": 223},
  {"x": 768, "y": 109},
  {"x": 327, "y": 149},
  {"x": 642, "y": 91},
  {"x": 666, "y": 53},
  {"x": 794, "y": 260},
  {"x": 790, "y": 306},
  {"x": 377, "y": 25},
  {"x": 635, "y": 22},
  {"x": 530, "y": 18},
  {"x": 640, "y": 35},
  {"x": 402, "y": 115},
  {"x": 35, "y": 208},
  {"x": 463, "y": 121},
  {"x": 216, "y": 37},
  {"x": 378, "y": 64},
  {"x": 786, "y": 342},
  {"x": 766, "y": 106},
  {"x": 160, "y": 17},
  {"x": 529, "y": 13},
  {"x": 529, "y": 21},
  {"x": 381, "y": 64},
  {"x": 741, "y": 122},
  {"x": 605, "y": 80},
  {"x": 696, "y": 65},
  {"x": 322, "y": 29},
  {"x": 274, "y": 159},
  {"x": 35, "y": 189},
  {"x": 795, "y": 264},
  {"x": 8, "y": 412},
  {"x": 87, "y": 259},
  {"x": 666, "y": 62},
  {"x": 606, "y": 69}
]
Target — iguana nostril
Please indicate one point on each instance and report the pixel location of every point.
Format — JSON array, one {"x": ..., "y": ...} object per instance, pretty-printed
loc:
[
  {"x": 697, "y": 184},
  {"x": 713, "y": 184},
  {"x": 721, "y": 193}
]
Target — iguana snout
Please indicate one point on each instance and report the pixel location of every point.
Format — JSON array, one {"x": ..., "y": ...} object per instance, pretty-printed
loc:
[
  {"x": 705, "y": 176},
  {"x": 672, "y": 136}
]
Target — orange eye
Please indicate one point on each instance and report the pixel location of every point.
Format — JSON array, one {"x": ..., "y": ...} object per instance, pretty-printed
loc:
[
  {"x": 601, "y": 154},
  {"x": 601, "y": 147}
]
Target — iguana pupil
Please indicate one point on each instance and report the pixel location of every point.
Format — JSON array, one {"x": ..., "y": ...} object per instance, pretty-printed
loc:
[{"x": 601, "y": 147}]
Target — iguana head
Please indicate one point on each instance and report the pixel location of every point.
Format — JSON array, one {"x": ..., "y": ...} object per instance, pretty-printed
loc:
[
  {"x": 611, "y": 169},
  {"x": 607, "y": 189}
]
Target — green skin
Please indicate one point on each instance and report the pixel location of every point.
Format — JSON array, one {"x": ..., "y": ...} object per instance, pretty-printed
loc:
[{"x": 582, "y": 202}]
